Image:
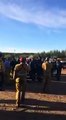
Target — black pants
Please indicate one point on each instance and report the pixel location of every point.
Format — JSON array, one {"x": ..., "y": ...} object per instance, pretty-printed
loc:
[{"x": 1, "y": 79}]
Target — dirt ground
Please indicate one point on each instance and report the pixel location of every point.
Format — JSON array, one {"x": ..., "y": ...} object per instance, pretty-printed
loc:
[{"x": 38, "y": 105}]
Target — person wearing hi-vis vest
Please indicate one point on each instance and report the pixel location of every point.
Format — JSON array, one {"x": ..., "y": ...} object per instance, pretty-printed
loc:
[
  {"x": 46, "y": 66},
  {"x": 20, "y": 74}
]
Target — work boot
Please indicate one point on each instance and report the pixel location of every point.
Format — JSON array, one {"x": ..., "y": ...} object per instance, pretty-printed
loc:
[{"x": 17, "y": 104}]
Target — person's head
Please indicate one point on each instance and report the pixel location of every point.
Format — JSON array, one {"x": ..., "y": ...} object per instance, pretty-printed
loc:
[
  {"x": 58, "y": 59},
  {"x": 47, "y": 59},
  {"x": 22, "y": 59}
]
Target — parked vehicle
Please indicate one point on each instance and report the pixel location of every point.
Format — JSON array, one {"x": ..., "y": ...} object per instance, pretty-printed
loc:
[{"x": 63, "y": 64}]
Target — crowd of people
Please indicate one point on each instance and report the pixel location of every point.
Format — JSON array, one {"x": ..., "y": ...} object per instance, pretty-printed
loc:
[{"x": 38, "y": 69}]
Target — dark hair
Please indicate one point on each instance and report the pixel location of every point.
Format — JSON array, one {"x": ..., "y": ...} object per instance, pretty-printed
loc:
[
  {"x": 23, "y": 59},
  {"x": 47, "y": 59}
]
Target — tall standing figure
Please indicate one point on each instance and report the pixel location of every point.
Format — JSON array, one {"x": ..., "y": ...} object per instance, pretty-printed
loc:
[
  {"x": 46, "y": 66},
  {"x": 20, "y": 74},
  {"x": 2, "y": 71}
]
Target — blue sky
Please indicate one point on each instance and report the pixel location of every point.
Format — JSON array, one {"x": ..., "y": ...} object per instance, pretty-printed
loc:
[{"x": 32, "y": 25}]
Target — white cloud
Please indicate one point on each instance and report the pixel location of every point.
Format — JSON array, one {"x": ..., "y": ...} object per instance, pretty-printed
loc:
[
  {"x": 43, "y": 17},
  {"x": 19, "y": 50}
]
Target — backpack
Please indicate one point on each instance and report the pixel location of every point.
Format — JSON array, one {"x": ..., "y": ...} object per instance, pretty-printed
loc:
[{"x": 21, "y": 72}]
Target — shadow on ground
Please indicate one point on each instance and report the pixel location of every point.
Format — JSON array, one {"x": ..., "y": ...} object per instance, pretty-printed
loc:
[
  {"x": 7, "y": 115},
  {"x": 35, "y": 110}
]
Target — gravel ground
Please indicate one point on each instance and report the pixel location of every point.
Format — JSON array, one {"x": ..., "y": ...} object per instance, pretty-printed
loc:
[{"x": 37, "y": 105}]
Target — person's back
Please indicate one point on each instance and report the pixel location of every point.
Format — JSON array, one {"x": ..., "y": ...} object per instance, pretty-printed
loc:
[
  {"x": 54, "y": 68},
  {"x": 59, "y": 68},
  {"x": 1, "y": 66},
  {"x": 33, "y": 69},
  {"x": 46, "y": 66},
  {"x": 2, "y": 70},
  {"x": 7, "y": 64},
  {"x": 20, "y": 74},
  {"x": 21, "y": 70},
  {"x": 39, "y": 70},
  {"x": 12, "y": 64}
]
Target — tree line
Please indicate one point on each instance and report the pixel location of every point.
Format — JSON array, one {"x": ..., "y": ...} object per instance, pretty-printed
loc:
[{"x": 54, "y": 53}]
